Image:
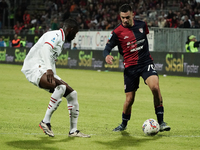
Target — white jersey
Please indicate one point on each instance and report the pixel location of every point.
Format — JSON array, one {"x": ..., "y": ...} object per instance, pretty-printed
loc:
[{"x": 40, "y": 56}]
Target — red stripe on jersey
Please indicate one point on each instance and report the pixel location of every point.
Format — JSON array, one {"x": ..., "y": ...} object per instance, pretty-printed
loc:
[
  {"x": 147, "y": 29},
  {"x": 49, "y": 44},
  {"x": 62, "y": 34},
  {"x": 132, "y": 43},
  {"x": 128, "y": 44}
]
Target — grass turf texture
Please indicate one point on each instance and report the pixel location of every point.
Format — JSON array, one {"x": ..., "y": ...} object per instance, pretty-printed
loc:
[{"x": 101, "y": 98}]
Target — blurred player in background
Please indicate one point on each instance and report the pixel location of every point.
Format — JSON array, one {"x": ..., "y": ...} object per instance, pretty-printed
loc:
[
  {"x": 39, "y": 69},
  {"x": 130, "y": 37}
]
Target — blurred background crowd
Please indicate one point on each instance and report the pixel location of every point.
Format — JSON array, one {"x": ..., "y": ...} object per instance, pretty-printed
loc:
[{"x": 39, "y": 16}]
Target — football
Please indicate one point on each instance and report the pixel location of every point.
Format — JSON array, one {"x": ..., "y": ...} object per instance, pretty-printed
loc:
[{"x": 150, "y": 127}]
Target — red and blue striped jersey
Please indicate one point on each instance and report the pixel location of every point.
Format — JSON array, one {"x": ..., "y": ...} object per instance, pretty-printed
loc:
[{"x": 132, "y": 43}]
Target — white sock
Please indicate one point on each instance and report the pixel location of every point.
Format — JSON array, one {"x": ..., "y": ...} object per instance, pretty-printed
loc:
[
  {"x": 73, "y": 108},
  {"x": 55, "y": 100}
]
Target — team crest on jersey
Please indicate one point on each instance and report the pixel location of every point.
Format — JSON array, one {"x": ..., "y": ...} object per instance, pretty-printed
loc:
[{"x": 141, "y": 30}]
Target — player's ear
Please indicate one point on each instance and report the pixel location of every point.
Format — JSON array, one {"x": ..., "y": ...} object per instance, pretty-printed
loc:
[{"x": 133, "y": 15}]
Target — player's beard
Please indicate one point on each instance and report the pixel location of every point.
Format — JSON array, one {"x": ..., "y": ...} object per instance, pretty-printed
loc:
[{"x": 127, "y": 24}]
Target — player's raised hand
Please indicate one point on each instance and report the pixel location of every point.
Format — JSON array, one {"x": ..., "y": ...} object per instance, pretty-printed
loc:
[
  {"x": 109, "y": 59},
  {"x": 50, "y": 76}
]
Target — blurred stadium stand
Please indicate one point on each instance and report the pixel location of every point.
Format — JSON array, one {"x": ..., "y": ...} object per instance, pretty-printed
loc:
[{"x": 103, "y": 15}]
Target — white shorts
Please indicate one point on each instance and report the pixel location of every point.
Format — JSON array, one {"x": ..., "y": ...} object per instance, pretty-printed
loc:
[{"x": 34, "y": 74}]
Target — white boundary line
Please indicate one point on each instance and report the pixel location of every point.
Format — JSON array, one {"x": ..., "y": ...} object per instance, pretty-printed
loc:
[{"x": 183, "y": 136}]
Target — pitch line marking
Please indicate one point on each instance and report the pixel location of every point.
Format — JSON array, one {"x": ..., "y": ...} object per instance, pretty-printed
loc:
[{"x": 183, "y": 136}]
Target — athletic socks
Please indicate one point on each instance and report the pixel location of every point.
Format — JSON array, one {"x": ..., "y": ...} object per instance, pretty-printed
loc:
[
  {"x": 159, "y": 110},
  {"x": 125, "y": 119},
  {"x": 53, "y": 104},
  {"x": 55, "y": 100},
  {"x": 73, "y": 108}
]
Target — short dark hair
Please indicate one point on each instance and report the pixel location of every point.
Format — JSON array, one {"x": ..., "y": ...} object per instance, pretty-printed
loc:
[
  {"x": 125, "y": 8},
  {"x": 71, "y": 23}
]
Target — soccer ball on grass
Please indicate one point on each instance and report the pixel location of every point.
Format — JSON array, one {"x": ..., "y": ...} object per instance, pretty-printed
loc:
[{"x": 150, "y": 127}]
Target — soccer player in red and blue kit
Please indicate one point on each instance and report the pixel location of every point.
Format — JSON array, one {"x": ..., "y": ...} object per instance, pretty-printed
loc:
[{"x": 130, "y": 37}]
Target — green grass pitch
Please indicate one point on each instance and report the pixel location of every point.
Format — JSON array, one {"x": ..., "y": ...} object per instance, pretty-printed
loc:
[{"x": 101, "y": 97}]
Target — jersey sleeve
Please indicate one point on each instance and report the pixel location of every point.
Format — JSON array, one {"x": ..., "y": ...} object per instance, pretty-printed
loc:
[
  {"x": 146, "y": 28},
  {"x": 52, "y": 38},
  {"x": 47, "y": 56},
  {"x": 112, "y": 42},
  {"x": 48, "y": 51}
]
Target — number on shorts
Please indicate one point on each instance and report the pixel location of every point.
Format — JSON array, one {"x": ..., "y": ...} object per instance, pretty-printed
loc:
[{"x": 151, "y": 66}]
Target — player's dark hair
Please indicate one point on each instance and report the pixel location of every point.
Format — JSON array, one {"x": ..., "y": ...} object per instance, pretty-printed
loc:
[
  {"x": 125, "y": 8},
  {"x": 71, "y": 23}
]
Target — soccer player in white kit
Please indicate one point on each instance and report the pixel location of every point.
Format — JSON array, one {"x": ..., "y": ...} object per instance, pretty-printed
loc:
[{"x": 39, "y": 69}]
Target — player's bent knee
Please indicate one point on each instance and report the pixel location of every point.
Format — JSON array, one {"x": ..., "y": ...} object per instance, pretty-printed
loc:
[
  {"x": 72, "y": 96},
  {"x": 155, "y": 88},
  {"x": 61, "y": 89}
]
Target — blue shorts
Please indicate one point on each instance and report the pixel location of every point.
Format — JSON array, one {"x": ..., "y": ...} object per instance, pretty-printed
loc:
[{"x": 132, "y": 76}]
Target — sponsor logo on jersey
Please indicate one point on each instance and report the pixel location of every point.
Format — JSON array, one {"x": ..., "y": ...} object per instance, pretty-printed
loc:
[
  {"x": 140, "y": 41},
  {"x": 126, "y": 37},
  {"x": 141, "y": 30},
  {"x": 136, "y": 49},
  {"x": 53, "y": 40}
]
